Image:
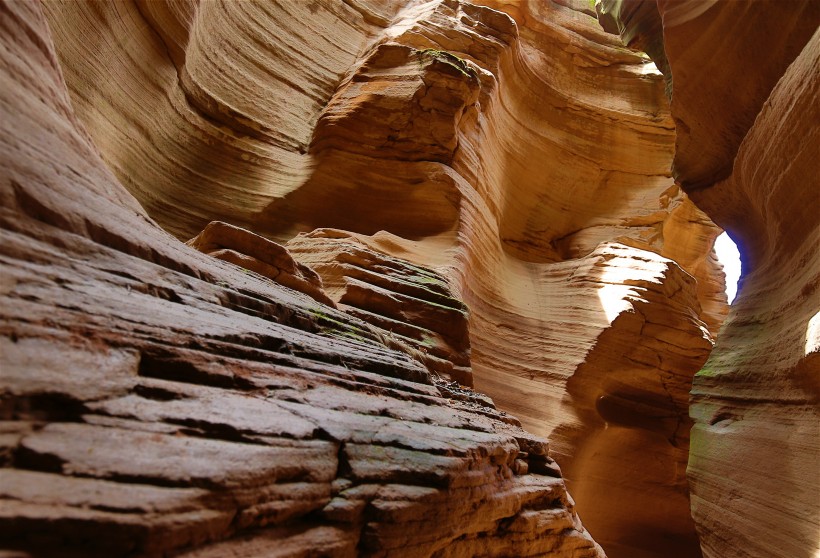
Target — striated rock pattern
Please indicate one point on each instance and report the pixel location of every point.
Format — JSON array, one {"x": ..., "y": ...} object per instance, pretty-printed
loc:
[
  {"x": 631, "y": 395},
  {"x": 761, "y": 387},
  {"x": 209, "y": 107},
  {"x": 378, "y": 168},
  {"x": 254, "y": 253},
  {"x": 158, "y": 401},
  {"x": 513, "y": 151},
  {"x": 701, "y": 60},
  {"x": 686, "y": 38},
  {"x": 747, "y": 118},
  {"x": 413, "y": 303}
]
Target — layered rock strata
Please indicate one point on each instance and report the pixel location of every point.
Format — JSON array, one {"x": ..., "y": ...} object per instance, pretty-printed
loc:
[
  {"x": 411, "y": 302},
  {"x": 514, "y": 151},
  {"x": 156, "y": 400},
  {"x": 760, "y": 388},
  {"x": 498, "y": 160},
  {"x": 254, "y": 253},
  {"x": 750, "y": 106},
  {"x": 687, "y": 40}
]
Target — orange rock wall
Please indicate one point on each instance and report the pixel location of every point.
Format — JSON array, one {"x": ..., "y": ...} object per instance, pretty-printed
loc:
[
  {"x": 157, "y": 401},
  {"x": 747, "y": 130},
  {"x": 760, "y": 387},
  {"x": 514, "y": 147},
  {"x": 205, "y": 109}
]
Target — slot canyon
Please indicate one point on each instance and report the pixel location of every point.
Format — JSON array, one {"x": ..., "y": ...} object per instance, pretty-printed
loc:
[{"x": 409, "y": 278}]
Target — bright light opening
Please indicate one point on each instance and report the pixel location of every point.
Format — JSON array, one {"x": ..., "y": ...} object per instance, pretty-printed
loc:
[
  {"x": 813, "y": 337},
  {"x": 729, "y": 257},
  {"x": 649, "y": 69}
]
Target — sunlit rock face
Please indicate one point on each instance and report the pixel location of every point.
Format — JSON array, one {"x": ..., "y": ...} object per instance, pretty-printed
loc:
[
  {"x": 747, "y": 115},
  {"x": 158, "y": 401},
  {"x": 482, "y": 190}
]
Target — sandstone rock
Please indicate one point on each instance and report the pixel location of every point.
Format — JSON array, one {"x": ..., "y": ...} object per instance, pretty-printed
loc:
[
  {"x": 639, "y": 25},
  {"x": 198, "y": 135},
  {"x": 760, "y": 386},
  {"x": 508, "y": 156},
  {"x": 711, "y": 84},
  {"x": 514, "y": 149},
  {"x": 747, "y": 120},
  {"x": 161, "y": 401},
  {"x": 260, "y": 255},
  {"x": 411, "y": 302},
  {"x": 708, "y": 67},
  {"x": 402, "y": 103}
]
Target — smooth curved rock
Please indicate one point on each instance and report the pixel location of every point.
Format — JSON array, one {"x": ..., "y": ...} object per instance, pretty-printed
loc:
[
  {"x": 511, "y": 148},
  {"x": 759, "y": 391},
  {"x": 705, "y": 66},
  {"x": 746, "y": 116},
  {"x": 207, "y": 109},
  {"x": 715, "y": 98},
  {"x": 516, "y": 154},
  {"x": 156, "y": 400}
]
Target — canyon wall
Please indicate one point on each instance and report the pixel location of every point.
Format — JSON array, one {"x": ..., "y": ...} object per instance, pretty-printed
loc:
[
  {"x": 514, "y": 149},
  {"x": 158, "y": 401},
  {"x": 414, "y": 199},
  {"x": 760, "y": 387},
  {"x": 746, "y": 114}
]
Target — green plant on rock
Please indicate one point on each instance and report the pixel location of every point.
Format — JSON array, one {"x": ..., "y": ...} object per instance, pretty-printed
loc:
[
  {"x": 448, "y": 58},
  {"x": 428, "y": 341},
  {"x": 334, "y": 328}
]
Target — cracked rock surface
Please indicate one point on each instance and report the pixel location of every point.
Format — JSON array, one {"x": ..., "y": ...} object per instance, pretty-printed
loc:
[
  {"x": 157, "y": 401},
  {"x": 498, "y": 176}
]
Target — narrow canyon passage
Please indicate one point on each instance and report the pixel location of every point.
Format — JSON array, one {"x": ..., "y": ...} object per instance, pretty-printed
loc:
[{"x": 409, "y": 278}]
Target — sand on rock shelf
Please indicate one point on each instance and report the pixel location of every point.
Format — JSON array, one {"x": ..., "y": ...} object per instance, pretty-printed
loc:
[{"x": 408, "y": 278}]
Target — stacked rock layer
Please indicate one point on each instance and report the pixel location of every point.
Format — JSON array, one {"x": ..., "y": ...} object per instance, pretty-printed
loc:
[
  {"x": 515, "y": 153},
  {"x": 455, "y": 195},
  {"x": 158, "y": 401}
]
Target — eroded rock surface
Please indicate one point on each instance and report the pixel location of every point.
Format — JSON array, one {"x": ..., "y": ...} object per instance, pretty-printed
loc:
[
  {"x": 716, "y": 99},
  {"x": 510, "y": 157},
  {"x": 747, "y": 153},
  {"x": 156, "y": 400},
  {"x": 761, "y": 386},
  {"x": 252, "y": 252},
  {"x": 513, "y": 150},
  {"x": 412, "y": 303}
]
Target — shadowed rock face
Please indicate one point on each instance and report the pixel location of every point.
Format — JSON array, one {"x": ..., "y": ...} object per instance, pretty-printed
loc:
[
  {"x": 499, "y": 179},
  {"x": 160, "y": 401},
  {"x": 747, "y": 115},
  {"x": 426, "y": 197},
  {"x": 687, "y": 40},
  {"x": 761, "y": 388}
]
